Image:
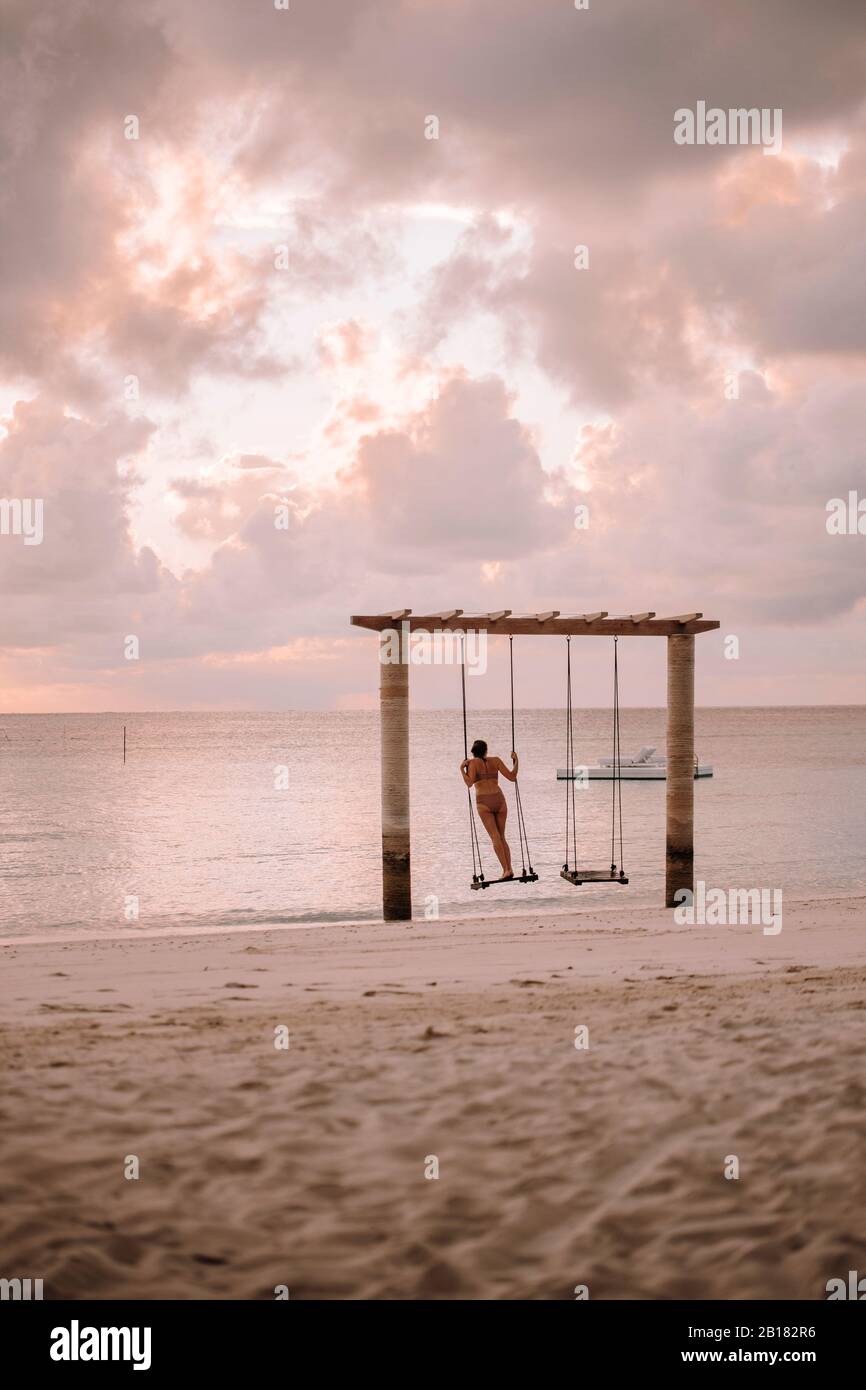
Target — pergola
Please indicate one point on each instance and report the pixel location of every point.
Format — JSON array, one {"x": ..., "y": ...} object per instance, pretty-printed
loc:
[{"x": 395, "y": 628}]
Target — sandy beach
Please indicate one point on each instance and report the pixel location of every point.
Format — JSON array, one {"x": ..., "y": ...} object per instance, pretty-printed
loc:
[{"x": 558, "y": 1166}]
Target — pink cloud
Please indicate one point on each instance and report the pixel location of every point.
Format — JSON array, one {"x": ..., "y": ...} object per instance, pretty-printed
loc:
[{"x": 156, "y": 259}]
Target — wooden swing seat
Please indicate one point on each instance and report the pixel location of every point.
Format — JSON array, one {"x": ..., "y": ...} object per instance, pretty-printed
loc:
[
  {"x": 579, "y": 876},
  {"x": 518, "y": 878}
]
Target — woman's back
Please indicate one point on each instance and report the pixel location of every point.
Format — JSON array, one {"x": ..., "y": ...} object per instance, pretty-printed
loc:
[{"x": 486, "y": 771}]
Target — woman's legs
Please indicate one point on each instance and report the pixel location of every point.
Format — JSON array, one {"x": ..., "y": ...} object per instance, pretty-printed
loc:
[
  {"x": 501, "y": 818},
  {"x": 494, "y": 824}
]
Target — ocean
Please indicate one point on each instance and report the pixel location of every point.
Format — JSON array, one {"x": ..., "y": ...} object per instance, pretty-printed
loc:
[{"x": 238, "y": 819}]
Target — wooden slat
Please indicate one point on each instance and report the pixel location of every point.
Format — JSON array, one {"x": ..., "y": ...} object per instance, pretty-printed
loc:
[
  {"x": 578, "y": 876},
  {"x": 639, "y": 617},
  {"x": 684, "y": 618},
  {"x": 398, "y": 614},
  {"x": 502, "y": 613},
  {"x": 448, "y": 613},
  {"x": 479, "y": 883},
  {"x": 584, "y": 617},
  {"x": 545, "y": 617},
  {"x": 530, "y": 626}
]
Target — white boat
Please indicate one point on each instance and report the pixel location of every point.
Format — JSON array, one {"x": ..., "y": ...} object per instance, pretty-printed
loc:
[{"x": 647, "y": 766}]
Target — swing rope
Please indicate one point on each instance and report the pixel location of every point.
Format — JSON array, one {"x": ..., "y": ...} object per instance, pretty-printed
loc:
[
  {"x": 477, "y": 868},
  {"x": 527, "y": 873},
  {"x": 525, "y": 857},
  {"x": 569, "y": 766},
  {"x": 575, "y": 874},
  {"x": 616, "y": 807}
]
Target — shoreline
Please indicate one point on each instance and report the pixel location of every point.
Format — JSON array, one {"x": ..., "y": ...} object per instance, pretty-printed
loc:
[{"x": 169, "y": 933}]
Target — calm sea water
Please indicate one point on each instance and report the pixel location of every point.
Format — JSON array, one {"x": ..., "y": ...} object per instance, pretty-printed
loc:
[{"x": 196, "y": 828}]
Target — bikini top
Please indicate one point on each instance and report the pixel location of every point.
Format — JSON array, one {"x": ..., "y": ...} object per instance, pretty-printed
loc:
[{"x": 488, "y": 776}]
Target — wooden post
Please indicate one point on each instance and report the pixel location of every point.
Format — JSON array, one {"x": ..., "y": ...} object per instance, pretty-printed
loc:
[
  {"x": 679, "y": 861},
  {"x": 394, "y": 724}
]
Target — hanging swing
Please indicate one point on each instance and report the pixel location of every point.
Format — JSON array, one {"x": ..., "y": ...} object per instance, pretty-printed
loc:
[
  {"x": 575, "y": 875},
  {"x": 527, "y": 873}
]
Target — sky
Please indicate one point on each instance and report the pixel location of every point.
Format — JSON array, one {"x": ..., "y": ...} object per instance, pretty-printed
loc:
[{"x": 293, "y": 325}]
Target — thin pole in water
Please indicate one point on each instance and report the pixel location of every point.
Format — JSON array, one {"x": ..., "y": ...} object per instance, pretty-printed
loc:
[{"x": 124, "y": 745}]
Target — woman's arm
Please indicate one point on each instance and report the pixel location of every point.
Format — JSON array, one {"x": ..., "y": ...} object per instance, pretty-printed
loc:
[
  {"x": 466, "y": 774},
  {"x": 509, "y": 772}
]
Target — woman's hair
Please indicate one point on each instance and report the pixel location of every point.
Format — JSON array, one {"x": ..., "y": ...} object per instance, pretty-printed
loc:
[{"x": 479, "y": 748}]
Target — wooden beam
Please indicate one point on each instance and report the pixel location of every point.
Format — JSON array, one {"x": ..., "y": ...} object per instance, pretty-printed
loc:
[
  {"x": 528, "y": 625},
  {"x": 502, "y": 613},
  {"x": 639, "y": 617},
  {"x": 398, "y": 614},
  {"x": 448, "y": 613},
  {"x": 685, "y": 617},
  {"x": 545, "y": 617}
]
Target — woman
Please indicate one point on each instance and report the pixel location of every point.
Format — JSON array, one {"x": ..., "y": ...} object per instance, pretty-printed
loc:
[{"x": 482, "y": 773}]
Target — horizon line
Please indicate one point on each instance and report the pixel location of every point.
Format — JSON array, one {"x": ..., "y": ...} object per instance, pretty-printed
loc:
[{"x": 373, "y": 708}]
